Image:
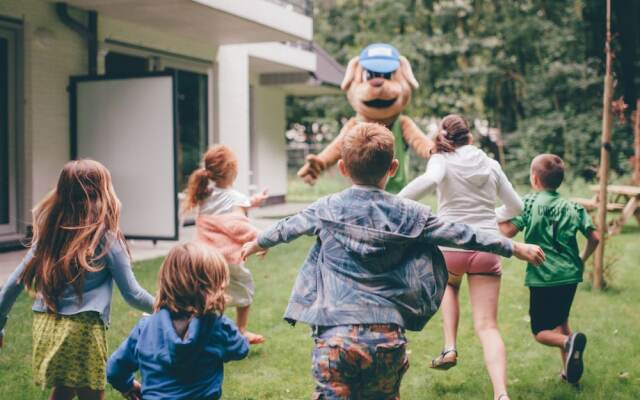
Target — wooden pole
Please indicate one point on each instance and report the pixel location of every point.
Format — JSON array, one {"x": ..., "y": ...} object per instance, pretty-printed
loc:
[
  {"x": 604, "y": 159},
  {"x": 636, "y": 135}
]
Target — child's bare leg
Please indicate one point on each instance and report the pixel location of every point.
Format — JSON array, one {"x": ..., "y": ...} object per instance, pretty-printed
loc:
[
  {"x": 90, "y": 394},
  {"x": 566, "y": 331},
  {"x": 556, "y": 337},
  {"x": 552, "y": 337},
  {"x": 62, "y": 393},
  {"x": 242, "y": 320},
  {"x": 450, "y": 317},
  {"x": 484, "y": 291}
]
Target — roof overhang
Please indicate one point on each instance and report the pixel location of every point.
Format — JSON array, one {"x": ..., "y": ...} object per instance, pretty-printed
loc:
[
  {"x": 322, "y": 75},
  {"x": 218, "y": 22},
  {"x": 299, "y": 83}
]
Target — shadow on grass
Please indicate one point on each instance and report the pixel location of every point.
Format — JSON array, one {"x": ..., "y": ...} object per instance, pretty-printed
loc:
[
  {"x": 631, "y": 229},
  {"x": 448, "y": 389}
]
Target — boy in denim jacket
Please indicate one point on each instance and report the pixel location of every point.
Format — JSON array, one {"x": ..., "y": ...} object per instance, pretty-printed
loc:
[{"x": 374, "y": 271}]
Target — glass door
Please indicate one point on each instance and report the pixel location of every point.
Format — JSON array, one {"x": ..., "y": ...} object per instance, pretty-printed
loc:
[
  {"x": 192, "y": 126},
  {"x": 253, "y": 143},
  {"x": 8, "y": 150}
]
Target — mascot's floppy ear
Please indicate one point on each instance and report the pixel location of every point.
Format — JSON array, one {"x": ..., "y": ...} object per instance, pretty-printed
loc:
[
  {"x": 406, "y": 70},
  {"x": 350, "y": 74}
]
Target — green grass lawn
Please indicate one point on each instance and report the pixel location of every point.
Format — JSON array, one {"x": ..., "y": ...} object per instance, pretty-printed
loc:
[
  {"x": 330, "y": 182},
  {"x": 280, "y": 369}
]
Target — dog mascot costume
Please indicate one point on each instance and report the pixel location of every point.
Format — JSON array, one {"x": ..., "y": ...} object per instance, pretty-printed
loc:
[{"x": 378, "y": 85}]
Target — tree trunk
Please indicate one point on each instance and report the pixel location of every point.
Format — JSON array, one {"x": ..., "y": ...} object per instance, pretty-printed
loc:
[
  {"x": 604, "y": 160},
  {"x": 636, "y": 146}
]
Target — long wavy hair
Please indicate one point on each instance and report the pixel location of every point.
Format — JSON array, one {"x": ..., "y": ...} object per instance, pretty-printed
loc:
[
  {"x": 454, "y": 132},
  {"x": 69, "y": 225},
  {"x": 219, "y": 165},
  {"x": 192, "y": 281}
]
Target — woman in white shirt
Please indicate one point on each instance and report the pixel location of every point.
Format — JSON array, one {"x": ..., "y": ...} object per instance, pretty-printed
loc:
[{"x": 468, "y": 184}]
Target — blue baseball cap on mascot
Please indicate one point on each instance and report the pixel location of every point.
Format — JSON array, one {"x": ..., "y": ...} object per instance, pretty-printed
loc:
[{"x": 380, "y": 57}]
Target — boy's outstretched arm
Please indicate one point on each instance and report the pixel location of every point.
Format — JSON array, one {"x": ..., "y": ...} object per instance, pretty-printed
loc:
[
  {"x": 305, "y": 222},
  {"x": 593, "y": 239},
  {"x": 508, "y": 229},
  {"x": 588, "y": 229},
  {"x": 464, "y": 236},
  {"x": 251, "y": 248},
  {"x": 258, "y": 199}
]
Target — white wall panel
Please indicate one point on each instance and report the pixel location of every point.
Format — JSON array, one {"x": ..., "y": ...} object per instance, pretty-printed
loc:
[{"x": 128, "y": 125}]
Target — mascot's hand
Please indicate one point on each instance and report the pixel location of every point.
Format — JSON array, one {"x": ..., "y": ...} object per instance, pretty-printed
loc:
[{"x": 312, "y": 169}]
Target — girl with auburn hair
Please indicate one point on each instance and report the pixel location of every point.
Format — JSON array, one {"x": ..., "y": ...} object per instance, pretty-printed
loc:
[
  {"x": 222, "y": 224},
  {"x": 468, "y": 184},
  {"x": 78, "y": 251},
  {"x": 181, "y": 349}
]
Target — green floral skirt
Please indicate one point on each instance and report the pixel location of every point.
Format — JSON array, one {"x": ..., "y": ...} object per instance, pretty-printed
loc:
[{"x": 69, "y": 350}]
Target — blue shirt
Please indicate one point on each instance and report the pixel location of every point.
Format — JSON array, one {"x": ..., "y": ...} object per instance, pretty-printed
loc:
[
  {"x": 97, "y": 290},
  {"x": 177, "y": 368},
  {"x": 376, "y": 259}
]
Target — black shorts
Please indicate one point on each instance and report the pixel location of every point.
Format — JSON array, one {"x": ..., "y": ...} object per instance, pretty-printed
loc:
[{"x": 549, "y": 306}]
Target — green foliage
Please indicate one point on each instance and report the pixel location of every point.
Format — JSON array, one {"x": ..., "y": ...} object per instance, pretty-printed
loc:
[{"x": 523, "y": 65}]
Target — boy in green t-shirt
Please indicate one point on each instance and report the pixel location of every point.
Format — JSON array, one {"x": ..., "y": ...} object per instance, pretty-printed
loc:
[{"x": 552, "y": 222}]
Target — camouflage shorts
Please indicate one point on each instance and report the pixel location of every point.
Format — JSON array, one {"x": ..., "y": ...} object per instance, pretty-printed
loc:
[{"x": 359, "y": 362}]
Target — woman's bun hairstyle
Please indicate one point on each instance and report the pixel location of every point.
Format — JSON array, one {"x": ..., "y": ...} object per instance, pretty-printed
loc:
[{"x": 454, "y": 132}]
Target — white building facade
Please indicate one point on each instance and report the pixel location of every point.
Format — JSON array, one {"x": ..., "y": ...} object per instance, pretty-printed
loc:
[{"x": 233, "y": 68}]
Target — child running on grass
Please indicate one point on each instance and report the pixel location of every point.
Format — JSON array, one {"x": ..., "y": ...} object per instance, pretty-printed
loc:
[
  {"x": 78, "y": 251},
  {"x": 552, "y": 222},
  {"x": 374, "y": 271},
  {"x": 180, "y": 350},
  {"x": 223, "y": 224}
]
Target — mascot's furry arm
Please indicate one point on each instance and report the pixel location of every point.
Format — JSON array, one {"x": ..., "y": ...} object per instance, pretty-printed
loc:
[
  {"x": 415, "y": 138},
  {"x": 316, "y": 163}
]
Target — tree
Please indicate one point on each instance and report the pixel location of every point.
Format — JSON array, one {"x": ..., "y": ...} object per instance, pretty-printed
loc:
[{"x": 532, "y": 68}]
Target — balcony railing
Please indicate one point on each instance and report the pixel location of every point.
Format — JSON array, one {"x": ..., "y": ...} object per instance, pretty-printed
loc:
[{"x": 300, "y": 6}]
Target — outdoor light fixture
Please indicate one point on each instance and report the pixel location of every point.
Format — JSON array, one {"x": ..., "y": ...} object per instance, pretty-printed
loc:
[{"x": 44, "y": 37}]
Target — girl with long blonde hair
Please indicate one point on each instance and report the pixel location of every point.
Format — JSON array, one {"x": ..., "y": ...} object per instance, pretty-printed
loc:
[{"x": 78, "y": 252}]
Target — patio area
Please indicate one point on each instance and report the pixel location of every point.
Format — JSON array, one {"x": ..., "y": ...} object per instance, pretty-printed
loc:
[{"x": 142, "y": 250}]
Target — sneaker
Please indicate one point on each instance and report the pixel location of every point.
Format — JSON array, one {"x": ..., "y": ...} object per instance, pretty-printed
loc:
[
  {"x": 575, "y": 350},
  {"x": 563, "y": 377}
]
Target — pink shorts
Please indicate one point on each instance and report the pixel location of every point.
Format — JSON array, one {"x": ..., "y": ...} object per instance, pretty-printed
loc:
[{"x": 472, "y": 263}]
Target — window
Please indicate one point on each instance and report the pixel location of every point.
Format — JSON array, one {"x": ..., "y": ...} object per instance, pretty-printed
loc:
[
  {"x": 124, "y": 64},
  {"x": 4, "y": 131},
  {"x": 192, "y": 122},
  {"x": 8, "y": 127}
]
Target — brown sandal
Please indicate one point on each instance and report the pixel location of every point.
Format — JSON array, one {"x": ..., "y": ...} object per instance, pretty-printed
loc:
[{"x": 441, "y": 364}]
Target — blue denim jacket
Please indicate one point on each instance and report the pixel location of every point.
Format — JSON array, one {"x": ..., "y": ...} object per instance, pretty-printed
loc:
[
  {"x": 375, "y": 259},
  {"x": 97, "y": 289}
]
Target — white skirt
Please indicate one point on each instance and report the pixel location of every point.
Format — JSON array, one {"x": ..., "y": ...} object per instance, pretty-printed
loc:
[{"x": 241, "y": 286}]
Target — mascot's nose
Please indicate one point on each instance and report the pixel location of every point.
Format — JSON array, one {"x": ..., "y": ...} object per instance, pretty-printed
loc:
[{"x": 376, "y": 82}]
